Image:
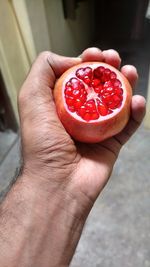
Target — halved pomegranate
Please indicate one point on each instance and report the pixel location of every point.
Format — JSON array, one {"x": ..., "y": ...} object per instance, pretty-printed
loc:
[{"x": 93, "y": 101}]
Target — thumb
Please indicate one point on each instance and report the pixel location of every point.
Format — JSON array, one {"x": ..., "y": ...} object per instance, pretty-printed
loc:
[{"x": 35, "y": 98}]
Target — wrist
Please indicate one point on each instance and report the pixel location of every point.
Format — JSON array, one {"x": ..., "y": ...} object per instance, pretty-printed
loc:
[
  {"x": 45, "y": 218},
  {"x": 64, "y": 193},
  {"x": 59, "y": 213}
]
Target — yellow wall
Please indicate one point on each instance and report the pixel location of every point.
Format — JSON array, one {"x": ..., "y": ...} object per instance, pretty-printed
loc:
[
  {"x": 38, "y": 23},
  {"x": 69, "y": 37},
  {"x": 14, "y": 63},
  {"x": 22, "y": 17}
]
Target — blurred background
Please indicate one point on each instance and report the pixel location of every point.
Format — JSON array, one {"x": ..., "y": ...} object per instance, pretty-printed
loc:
[{"x": 117, "y": 232}]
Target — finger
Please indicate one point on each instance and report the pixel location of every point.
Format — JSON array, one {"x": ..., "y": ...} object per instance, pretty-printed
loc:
[
  {"x": 60, "y": 64},
  {"x": 130, "y": 72},
  {"x": 92, "y": 54},
  {"x": 36, "y": 94},
  {"x": 112, "y": 57},
  {"x": 48, "y": 66},
  {"x": 138, "y": 109}
]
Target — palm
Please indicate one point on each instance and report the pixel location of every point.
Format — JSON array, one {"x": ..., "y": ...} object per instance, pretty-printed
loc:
[
  {"x": 94, "y": 167},
  {"x": 89, "y": 165}
]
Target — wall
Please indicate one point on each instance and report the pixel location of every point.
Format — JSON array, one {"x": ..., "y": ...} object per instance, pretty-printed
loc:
[
  {"x": 38, "y": 24},
  {"x": 14, "y": 62},
  {"x": 69, "y": 37}
]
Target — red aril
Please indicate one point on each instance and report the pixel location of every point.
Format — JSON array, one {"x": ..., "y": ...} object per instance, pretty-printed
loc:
[{"x": 93, "y": 101}]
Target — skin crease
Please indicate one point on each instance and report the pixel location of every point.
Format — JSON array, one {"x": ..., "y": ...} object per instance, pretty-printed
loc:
[{"x": 42, "y": 216}]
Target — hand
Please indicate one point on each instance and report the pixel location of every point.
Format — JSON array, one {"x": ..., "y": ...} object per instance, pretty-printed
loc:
[
  {"x": 49, "y": 153},
  {"x": 47, "y": 207}
]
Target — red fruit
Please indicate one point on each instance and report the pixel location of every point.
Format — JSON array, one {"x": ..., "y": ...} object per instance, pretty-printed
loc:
[{"x": 93, "y": 101}]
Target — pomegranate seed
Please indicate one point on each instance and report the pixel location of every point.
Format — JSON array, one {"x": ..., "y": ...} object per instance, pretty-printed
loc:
[
  {"x": 72, "y": 109},
  {"x": 84, "y": 72},
  {"x": 87, "y": 116},
  {"x": 103, "y": 110},
  {"x": 117, "y": 83},
  {"x": 68, "y": 91},
  {"x": 101, "y": 93},
  {"x": 95, "y": 82},
  {"x": 106, "y": 75},
  {"x": 75, "y": 93},
  {"x": 109, "y": 90},
  {"x": 107, "y": 84},
  {"x": 98, "y": 89},
  {"x": 98, "y": 72},
  {"x": 90, "y": 105},
  {"x": 80, "y": 73},
  {"x": 74, "y": 83},
  {"x": 83, "y": 92},
  {"x": 88, "y": 72},
  {"x": 82, "y": 111},
  {"x": 106, "y": 98},
  {"x": 112, "y": 105},
  {"x": 87, "y": 80},
  {"x": 91, "y": 101},
  {"x": 116, "y": 98},
  {"x": 119, "y": 91},
  {"x": 81, "y": 86},
  {"x": 83, "y": 98},
  {"x": 95, "y": 116},
  {"x": 77, "y": 104},
  {"x": 121, "y": 97},
  {"x": 106, "y": 94},
  {"x": 70, "y": 101},
  {"x": 113, "y": 76},
  {"x": 68, "y": 84},
  {"x": 119, "y": 105},
  {"x": 107, "y": 72}
]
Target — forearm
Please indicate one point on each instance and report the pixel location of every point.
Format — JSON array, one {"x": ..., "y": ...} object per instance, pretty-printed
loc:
[{"x": 40, "y": 226}]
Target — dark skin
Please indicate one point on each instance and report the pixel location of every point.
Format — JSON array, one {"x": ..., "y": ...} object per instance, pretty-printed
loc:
[{"x": 61, "y": 178}]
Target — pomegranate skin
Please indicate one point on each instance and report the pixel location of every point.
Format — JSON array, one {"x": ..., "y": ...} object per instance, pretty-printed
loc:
[{"x": 95, "y": 130}]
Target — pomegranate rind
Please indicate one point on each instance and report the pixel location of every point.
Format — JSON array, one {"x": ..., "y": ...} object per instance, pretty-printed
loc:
[{"x": 95, "y": 130}]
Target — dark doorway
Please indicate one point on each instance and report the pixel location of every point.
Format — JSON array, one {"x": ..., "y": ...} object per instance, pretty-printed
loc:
[
  {"x": 7, "y": 118},
  {"x": 120, "y": 20}
]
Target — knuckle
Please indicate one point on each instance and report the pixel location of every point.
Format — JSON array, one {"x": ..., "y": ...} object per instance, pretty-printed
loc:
[{"x": 44, "y": 55}]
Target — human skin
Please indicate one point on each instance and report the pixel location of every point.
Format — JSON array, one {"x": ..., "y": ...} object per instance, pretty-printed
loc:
[{"x": 42, "y": 216}]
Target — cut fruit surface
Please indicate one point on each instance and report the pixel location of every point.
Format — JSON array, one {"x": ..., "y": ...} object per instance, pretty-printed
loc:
[
  {"x": 93, "y": 101},
  {"x": 96, "y": 91}
]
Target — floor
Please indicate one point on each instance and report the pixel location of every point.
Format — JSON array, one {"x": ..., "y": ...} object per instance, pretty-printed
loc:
[
  {"x": 9, "y": 158},
  {"x": 117, "y": 232}
]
